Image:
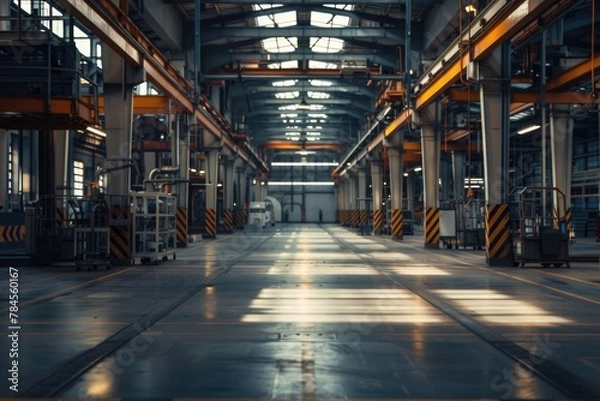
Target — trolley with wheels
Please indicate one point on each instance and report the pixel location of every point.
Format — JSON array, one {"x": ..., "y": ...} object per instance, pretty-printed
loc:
[
  {"x": 92, "y": 248},
  {"x": 539, "y": 227}
]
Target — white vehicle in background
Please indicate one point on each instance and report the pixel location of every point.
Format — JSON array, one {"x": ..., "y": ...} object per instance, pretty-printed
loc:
[{"x": 259, "y": 215}]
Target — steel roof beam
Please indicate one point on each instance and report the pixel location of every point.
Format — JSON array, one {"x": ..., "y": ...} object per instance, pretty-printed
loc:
[
  {"x": 211, "y": 34},
  {"x": 219, "y": 56},
  {"x": 107, "y": 21}
]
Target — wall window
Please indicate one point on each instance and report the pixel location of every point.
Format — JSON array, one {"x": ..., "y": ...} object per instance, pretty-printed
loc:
[{"x": 78, "y": 170}]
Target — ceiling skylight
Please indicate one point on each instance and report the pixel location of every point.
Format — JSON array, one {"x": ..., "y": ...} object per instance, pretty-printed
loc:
[
  {"x": 285, "y": 64},
  {"x": 320, "y": 82},
  {"x": 328, "y": 20},
  {"x": 288, "y": 95},
  {"x": 326, "y": 45},
  {"x": 321, "y": 64},
  {"x": 285, "y": 83},
  {"x": 280, "y": 44},
  {"x": 279, "y": 20},
  {"x": 318, "y": 95}
]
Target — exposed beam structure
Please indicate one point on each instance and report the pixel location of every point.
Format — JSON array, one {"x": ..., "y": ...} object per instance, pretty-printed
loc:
[
  {"x": 107, "y": 21},
  {"x": 212, "y": 34}
]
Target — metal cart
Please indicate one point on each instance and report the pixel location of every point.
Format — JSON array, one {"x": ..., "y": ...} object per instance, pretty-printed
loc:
[
  {"x": 470, "y": 223},
  {"x": 154, "y": 227},
  {"x": 539, "y": 234},
  {"x": 92, "y": 248}
]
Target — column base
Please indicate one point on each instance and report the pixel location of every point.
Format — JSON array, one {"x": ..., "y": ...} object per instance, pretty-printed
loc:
[
  {"x": 398, "y": 237},
  {"x": 208, "y": 236},
  {"x": 432, "y": 246}
]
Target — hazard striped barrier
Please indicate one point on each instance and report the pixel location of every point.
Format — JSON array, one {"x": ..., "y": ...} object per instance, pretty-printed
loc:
[
  {"x": 497, "y": 235},
  {"x": 397, "y": 223},
  {"x": 364, "y": 217},
  {"x": 12, "y": 234},
  {"x": 355, "y": 218},
  {"x": 119, "y": 233},
  {"x": 228, "y": 220},
  {"x": 210, "y": 224},
  {"x": 432, "y": 226},
  {"x": 377, "y": 221},
  {"x": 241, "y": 218},
  {"x": 182, "y": 226}
]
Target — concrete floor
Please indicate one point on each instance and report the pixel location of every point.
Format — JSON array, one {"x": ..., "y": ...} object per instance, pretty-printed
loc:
[{"x": 309, "y": 312}]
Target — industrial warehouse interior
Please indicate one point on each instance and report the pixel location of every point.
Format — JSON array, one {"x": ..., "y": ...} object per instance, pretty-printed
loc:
[{"x": 300, "y": 200}]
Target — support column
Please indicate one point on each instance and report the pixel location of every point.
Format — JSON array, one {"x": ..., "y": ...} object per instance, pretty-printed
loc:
[
  {"x": 63, "y": 162},
  {"x": 377, "y": 190},
  {"x": 410, "y": 192},
  {"x": 228, "y": 184},
  {"x": 183, "y": 196},
  {"x": 4, "y": 144},
  {"x": 119, "y": 79},
  {"x": 495, "y": 103},
  {"x": 362, "y": 195},
  {"x": 396, "y": 153},
  {"x": 211, "y": 146},
  {"x": 353, "y": 205},
  {"x": 458, "y": 175},
  {"x": 5, "y": 12},
  {"x": 430, "y": 148},
  {"x": 561, "y": 142},
  {"x": 241, "y": 182}
]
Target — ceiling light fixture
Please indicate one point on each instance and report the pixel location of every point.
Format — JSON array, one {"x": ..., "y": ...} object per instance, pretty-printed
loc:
[
  {"x": 526, "y": 130},
  {"x": 96, "y": 131}
]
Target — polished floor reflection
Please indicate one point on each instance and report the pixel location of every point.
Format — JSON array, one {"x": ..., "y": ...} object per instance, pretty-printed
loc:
[{"x": 312, "y": 312}]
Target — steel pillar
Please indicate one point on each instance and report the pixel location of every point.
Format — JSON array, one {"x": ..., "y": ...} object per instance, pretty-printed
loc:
[
  {"x": 4, "y": 145},
  {"x": 212, "y": 178},
  {"x": 182, "y": 135},
  {"x": 377, "y": 191},
  {"x": 5, "y": 13},
  {"x": 458, "y": 175},
  {"x": 362, "y": 195},
  {"x": 396, "y": 151},
  {"x": 63, "y": 162},
  {"x": 410, "y": 191},
  {"x": 430, "y": 148},
  {"x": 561, "y": 142},
  {"x": 494, "y": 73},
  {"x": 228, "y": 185},
  {"x": 241, "y": 182},
  {"x": 353, "y": 205}
]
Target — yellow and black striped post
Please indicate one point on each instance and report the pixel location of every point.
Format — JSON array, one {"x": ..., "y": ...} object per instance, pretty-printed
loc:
[
  {"x": 303, "y": 216},
  {"x": 377, "y": 221},
  {"x": 119, "y": 234},
  {"x": 497, "y": 235},
  {"x": 355, "y": 218},
  {"x": 343, "y": 217},
  {"x": 182, "y": 227},
  {"x": 241, "y": 219},
  {"x": 228, "y": 220},
  {"x": 60, "y": 217},
  {"x": 364, "y": 217},
  {"x": 210, "y": 224},
  {"x": 432, "y": 227},
  {"x": 397, "y": 223}
]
